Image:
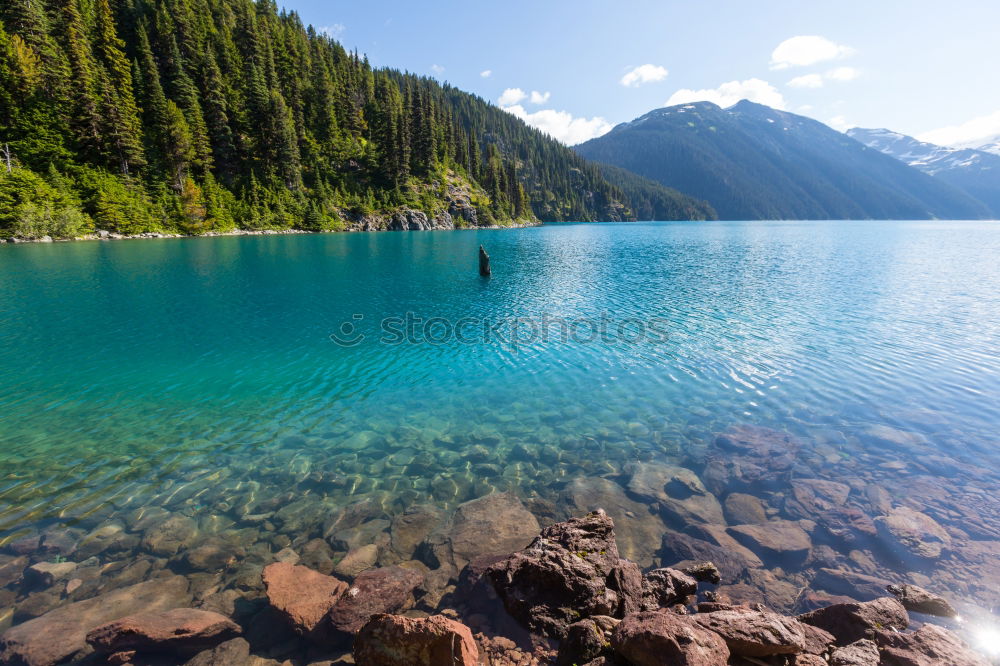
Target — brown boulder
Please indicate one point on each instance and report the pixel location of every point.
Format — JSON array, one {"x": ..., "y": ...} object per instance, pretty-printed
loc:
[
  {"x": 665, "y": 587},
  {"x": 393, "y": 640},
  {"x": 930, "y": 645},
  {"x": 654, "y": 638},
  {"x": 858, "y": 653},
  {"x": 302, "y": 596},
  {"x": 181, "y": 631},
  {"x": 569, "y": 572},
  {"x": 586, "y": 641},
  {"x": 376, "y": 591},
  {"x": 852, "y": 622},
  {"x": 61, "y": 633},
  {"x": 919, "y": 600},
  {"x": 752, "y": 633}
]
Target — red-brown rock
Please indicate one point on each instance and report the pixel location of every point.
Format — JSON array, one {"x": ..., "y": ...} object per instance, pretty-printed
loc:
[
  {"x": 859, "y": 653},
  {"x": 393, "y": 640},
  {"x": 376, "y": 591},
  {"x": 654, "y": 638},
  {"x": 752, "y": 633},
  {"x": 852, "y": 622},
  {"x": 301, "y": 595},
  {"x": 181, "y": 631}
]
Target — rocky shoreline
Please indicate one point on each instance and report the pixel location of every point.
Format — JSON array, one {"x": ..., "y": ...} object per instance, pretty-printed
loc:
[
  {"x": 405, "y": 223},
  {"x": 562, "y": 595}
]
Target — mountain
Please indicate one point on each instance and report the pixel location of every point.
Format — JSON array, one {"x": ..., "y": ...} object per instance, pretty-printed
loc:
[
  {"x": 990, "y": 145},
  {"x": 975, "y": 172},
  {"x": 753, "y": 162},
  {"x": 140, "y": 116}
]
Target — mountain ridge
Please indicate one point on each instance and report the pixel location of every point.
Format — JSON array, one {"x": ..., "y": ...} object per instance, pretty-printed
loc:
[
  {"x": 976, "y": 172},
  {"x": 754, "y": 162}
]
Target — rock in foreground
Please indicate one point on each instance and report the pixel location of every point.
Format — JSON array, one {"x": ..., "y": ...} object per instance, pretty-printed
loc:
[
  {"x": 852, "y": 622},
  {"x": 392, "y": 640},
  {"x": 302, "y": 596},
  {"x": 58, "y": 635},
  {"x": 654, "y": 638},
  {"x": 569, "y": 572}
]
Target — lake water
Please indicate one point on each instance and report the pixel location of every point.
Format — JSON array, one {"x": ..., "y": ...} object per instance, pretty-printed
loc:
[{"x": 199, "y": 377}]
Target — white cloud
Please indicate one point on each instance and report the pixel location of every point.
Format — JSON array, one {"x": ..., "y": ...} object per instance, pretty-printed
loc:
[
  {"x": 839, "y": 123},
  {"x": 805, "y": 50},
  {"x": 540, "y": 98},
  {"x": 806, "y": 81},
  {"x": 334, "y": 31},
  {"x": 843, "y": 74},
  {"x": 511, "y": 96},
  {"x": 972, "y": 132},
  {"x": 561, "y": 125},
  {"x": 486, "y": 73},
  {"x": 437, "y": 69},
  {"x": 644, "y": 74},
  {"x": 731, "y": 92}
]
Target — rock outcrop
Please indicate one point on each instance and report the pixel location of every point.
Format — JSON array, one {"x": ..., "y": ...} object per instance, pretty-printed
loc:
[{"x": 569, "y": 572}]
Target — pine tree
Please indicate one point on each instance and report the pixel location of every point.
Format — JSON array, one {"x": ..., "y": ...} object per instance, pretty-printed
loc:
[{"x": 119, "y": 113}]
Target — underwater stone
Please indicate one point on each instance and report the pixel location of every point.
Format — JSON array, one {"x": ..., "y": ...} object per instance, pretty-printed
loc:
[
  {"x": 180, "y": 631},
  {"x": 915, "y": 533},
  {"x": 494, "y": 524},
  {"x": 302, "y": 596}
]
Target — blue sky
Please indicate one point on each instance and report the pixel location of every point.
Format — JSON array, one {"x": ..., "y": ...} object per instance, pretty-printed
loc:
[{"x": 929, "y": 69}]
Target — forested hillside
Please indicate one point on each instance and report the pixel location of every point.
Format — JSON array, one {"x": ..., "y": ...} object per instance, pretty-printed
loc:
[{"x": 206, "y": 115}]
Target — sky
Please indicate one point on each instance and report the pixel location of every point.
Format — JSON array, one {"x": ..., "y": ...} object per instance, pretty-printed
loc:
[{"x": 930, "y": 69}]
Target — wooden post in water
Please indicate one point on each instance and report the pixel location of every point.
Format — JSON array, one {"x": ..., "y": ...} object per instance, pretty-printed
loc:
[{"x": 484, "y": 263}]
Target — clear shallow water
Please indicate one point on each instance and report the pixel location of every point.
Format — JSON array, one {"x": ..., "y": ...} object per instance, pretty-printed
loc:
[{"x": 199, "y": 375}]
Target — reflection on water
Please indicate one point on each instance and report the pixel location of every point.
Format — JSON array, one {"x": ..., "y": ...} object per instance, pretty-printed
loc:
[{"x": 194, "y": 381}]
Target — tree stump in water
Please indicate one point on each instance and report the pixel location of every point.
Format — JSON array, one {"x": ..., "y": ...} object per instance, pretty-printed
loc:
[{"x": 484, "y": 263}]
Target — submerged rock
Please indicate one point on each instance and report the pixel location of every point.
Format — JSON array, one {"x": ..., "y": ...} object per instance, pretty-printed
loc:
[
  {"x": 852, "y": 622},
  {"x": 919, "y": 600},
  {"x": 915, "y": 533},
  {"x": 494, "y": 524},
  {"x": 392, "y": 640},
  {"x": 781, "y": 539},
  {"x": 170, "y": 535},
  {"x": 181, "y": 631},
  {"x": 61, "y": 633},
  {"x": 747, "y": 457},
  {"x": 654, "y": 638},
  {"x": 569, "y": 572},
  {"x": 930, "y": 645},
  {"x": 677, "y": 491},
  {"x": 743, "y": 509}
]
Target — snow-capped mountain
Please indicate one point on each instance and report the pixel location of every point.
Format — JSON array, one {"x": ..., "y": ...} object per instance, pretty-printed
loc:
[
  {"x": 976, "y": 171},
  {"x": 754, "y": 162},
  {"x": 990, "y": 145}
]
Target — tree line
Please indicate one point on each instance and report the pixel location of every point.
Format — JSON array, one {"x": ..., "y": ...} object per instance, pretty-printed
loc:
[{"x": 206, "y": 115}]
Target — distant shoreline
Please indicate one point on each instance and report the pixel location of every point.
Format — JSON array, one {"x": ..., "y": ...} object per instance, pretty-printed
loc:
[{"x": 108, "y": 236}]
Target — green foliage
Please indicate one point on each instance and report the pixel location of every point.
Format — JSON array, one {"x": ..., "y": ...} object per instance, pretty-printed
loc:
[
  {"x": 171, "y": 115},
  {"x": 33, "y": 207}
]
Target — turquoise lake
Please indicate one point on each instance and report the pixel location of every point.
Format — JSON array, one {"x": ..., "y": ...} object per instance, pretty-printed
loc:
[{"x": 199, "y": 376}]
